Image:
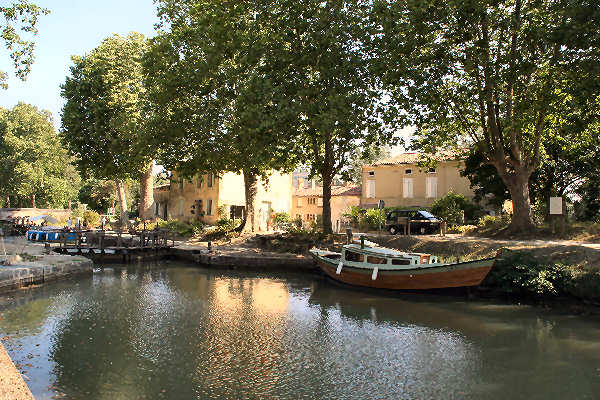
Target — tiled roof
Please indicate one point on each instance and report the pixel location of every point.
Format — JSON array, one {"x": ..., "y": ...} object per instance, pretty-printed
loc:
[
  {"x": 354, "y": 190},
  {"x": 414, "y": 158}
]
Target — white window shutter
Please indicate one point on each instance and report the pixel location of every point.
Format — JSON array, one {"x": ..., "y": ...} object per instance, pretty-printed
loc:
[
  {"x": 407, "y": 188},
  {"x": 299, "y": 204},
  {"x": 320, "y": 201},
  {"x": 371, "y": 189},
  {"x": 431, "y": 187}
]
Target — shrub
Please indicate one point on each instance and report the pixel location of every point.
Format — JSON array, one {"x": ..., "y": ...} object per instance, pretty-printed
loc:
[
  {"x": 371, "y": 218},
  {"x": 354, "y": 214},
  {"x": 520, "y": 273},
  {"x": 281, "y": 220},
  {"x": 92, "y": 218},
  {"x": 226, "y": 224},
  {"x": 489, "y": 222},
  {"x": 455, "y": 208},
  {"x": 180, "y": 227}
]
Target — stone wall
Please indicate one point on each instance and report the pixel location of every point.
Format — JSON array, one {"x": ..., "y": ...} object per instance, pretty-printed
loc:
[{"x": 6, "y": 213}]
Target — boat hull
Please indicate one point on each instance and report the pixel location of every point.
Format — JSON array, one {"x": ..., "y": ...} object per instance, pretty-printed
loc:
[{"x": 470, "y": 273}]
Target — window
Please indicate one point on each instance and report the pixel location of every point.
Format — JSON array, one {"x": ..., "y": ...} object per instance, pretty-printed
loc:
[
  {"x": 299, "y": 203},
  {"x": 156, "y": 209},
  {"x": 376, "y": 260},
  {"x": 432, "y": 171},
  {"x": 209, "y": 207},
  {"x": 209, "y": 180},
  {"x": 298, "y": 216},
  {"x": 312, "y": 200},
  {"x": 180, "y": 184},
  {"x": 371, "y": 173},
  {"x": 199, "y": 181},
  {"x": 180, "y": 204},
  {"x": 310, "y": 217},
  {"x": 407, "y": 188},
  {"x": 352, "y": 256},
  {"x": 408, "y": 171},
  {"x": 431, "y": 187},
  {"x": 320, "y": 201},
  {"x": 371, "y": 189},
  {"x": 402, "y": 261}
]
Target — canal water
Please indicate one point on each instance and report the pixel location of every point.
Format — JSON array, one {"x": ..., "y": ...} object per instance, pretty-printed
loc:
[{"x": 168, "y": 331}]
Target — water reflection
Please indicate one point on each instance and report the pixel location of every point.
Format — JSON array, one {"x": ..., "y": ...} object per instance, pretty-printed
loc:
[{"x": 170, "y": 332}]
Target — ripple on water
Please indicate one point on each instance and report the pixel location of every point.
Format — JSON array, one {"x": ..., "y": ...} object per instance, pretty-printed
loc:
[{"x": 183, "y": 333}]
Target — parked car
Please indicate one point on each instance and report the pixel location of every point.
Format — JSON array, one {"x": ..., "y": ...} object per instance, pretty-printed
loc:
[{"x": 421, "y": 221}]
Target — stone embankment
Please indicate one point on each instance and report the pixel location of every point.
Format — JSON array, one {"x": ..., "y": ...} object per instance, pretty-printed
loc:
[
  {"x": 242, "y": 257},
  {"x": 30, "y": 267},
  {"x": 12, "y": 385}
]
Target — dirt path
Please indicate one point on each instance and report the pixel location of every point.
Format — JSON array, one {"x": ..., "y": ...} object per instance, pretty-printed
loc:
[{"x": 469, "y": 247}]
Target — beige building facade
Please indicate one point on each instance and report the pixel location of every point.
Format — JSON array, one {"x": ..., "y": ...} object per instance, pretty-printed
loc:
[
  {"x": 201, "y": 198},
  {"x": 307, "y": 203},
  {"x": 400, "y": 182}
]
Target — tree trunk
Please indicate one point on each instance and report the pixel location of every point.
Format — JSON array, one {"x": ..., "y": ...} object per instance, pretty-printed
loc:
[
  {"x": 7, "y": 201},
  {"x": 518, "y": 186},
  {"x": 250, "y": 189},
  {"x": 327, "y": 176},
  {"x": 327, "y": 226},
  {"x": 147, "y": 194},
  {"x": 122, "y": 203},
  {"x": 33, "y": 200}
]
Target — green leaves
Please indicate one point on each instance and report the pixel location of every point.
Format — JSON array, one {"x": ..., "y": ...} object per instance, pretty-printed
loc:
[
  {"x": 34, "y": 163},
  {"x": 19, "y": 18},
  {"x": 496, "y": 76},
  {"x": 103, "y": 120},
  {"x": 216, "y": 92}
]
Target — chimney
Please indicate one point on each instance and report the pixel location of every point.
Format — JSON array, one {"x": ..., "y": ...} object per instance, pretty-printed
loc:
[{"x": 300, "y": 183}]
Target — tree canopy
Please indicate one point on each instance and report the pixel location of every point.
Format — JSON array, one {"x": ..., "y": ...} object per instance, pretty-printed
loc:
[
  {"x": 495, "y": 76},
  {"x": 218, "y": 92},
  {"x": 337, "y": 98},
  {"x": 34, "y": 168},
  {"x": 103, "y": 120},
  {"x": 17, "y": 30}
]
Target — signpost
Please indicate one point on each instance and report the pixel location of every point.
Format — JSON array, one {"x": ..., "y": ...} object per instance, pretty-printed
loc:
[
  {"x": 556, "y": 212},
  {"x": 381, "y": 206}
]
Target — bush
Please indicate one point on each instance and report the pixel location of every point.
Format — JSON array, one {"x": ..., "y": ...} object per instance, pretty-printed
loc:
[
  {"x": 92, "y": 218},
  {"x": 520, "y": 273},
  {"x": 371, "y": 218},
  {"x": 493, "y": 222},
  {"x": 455, "y": 209},
  {"x": 181, "y": 228},
  {"x": 281, "y": 221},
  {"x": 226, "y": 224},
  {"x": 354, "y": 214},
  {"x": 365, "y": 219}
]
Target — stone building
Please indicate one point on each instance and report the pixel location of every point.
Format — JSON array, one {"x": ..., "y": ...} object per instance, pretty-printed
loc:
[
  {"x": 401, "y": 182},
  {"x": 204, "y": 196},
  {"x": 307, "y": 203}
]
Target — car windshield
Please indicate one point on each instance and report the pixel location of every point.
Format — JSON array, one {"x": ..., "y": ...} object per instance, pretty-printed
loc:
[{"x": 427, "y": 214}]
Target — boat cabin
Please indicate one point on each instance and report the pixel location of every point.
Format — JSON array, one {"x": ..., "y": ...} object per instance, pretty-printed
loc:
[{"x": 356, "y": 255}]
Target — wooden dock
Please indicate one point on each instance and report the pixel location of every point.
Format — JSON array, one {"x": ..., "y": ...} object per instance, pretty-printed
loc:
[{"x": 115, "y": 246}]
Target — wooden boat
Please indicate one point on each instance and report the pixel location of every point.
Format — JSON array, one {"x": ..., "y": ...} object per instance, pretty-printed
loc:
[{"x": 367, "y": 264}]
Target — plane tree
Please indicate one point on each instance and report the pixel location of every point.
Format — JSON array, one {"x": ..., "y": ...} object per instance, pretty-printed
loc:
[
  {"x": 492, "y": 75},
  {"x": 34, "y": 171},
  {"x": 218, "y": 94},
  {"x": 103, "y": 119},
  {"x": 17, "y": 29},
  {"x": 339, "y": 102}
]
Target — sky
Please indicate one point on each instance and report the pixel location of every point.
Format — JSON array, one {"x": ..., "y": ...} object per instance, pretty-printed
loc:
[{"x": 73, "y": 27}]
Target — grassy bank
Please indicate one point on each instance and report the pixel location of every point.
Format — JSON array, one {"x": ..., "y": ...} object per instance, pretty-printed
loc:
[
  {"x": 534, "y": 274},
  {"x": 523, "y": 272}
]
